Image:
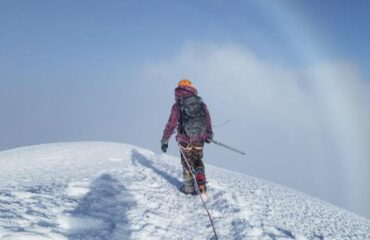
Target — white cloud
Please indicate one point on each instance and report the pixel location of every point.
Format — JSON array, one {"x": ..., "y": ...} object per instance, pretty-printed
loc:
[{"x": 313, "y": 123}]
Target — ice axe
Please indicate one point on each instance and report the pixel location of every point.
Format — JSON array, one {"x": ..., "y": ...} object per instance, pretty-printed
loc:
[{"x": 225, "y": 146}]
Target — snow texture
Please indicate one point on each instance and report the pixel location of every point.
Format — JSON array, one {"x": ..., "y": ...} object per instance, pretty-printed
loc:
[{"x": 98, "y": 190}]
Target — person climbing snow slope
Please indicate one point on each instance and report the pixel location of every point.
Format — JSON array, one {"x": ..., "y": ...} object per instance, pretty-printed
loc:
[{"x": 191, "y": 117}]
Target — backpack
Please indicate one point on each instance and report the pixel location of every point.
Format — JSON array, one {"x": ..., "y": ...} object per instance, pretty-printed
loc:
[{"x": 192, "y": 116}]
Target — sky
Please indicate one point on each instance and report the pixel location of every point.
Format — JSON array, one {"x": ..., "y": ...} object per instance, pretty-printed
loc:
[{"x": 291, "y": 77}]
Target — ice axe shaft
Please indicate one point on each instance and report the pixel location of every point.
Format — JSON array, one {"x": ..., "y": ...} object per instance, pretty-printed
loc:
[{"x": 228, "y": 147}]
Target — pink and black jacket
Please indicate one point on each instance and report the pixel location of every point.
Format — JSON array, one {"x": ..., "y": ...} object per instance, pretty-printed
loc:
[{"x": 173, "y": 121}]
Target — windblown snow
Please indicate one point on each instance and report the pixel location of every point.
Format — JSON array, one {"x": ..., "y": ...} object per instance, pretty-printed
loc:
[{"x": 98, "y": 190}]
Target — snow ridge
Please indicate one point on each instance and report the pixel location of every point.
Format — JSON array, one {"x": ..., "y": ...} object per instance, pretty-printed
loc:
[{"x": 99, "y": 190}]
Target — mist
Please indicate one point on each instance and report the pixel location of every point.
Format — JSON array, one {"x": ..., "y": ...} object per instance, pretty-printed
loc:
[{"x": 307, "y": 128}]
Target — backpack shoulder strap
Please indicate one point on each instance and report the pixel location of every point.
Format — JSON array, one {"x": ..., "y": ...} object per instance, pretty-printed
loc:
[{"x": 181, "y": 119}]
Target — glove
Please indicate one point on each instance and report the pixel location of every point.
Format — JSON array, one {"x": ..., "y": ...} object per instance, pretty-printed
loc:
[
  {"x": 209, "y": 139},
  {"x": 164, "y": 145}
]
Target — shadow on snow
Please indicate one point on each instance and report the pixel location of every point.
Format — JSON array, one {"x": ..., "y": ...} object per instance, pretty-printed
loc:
[
  {"x": 141, "y": 159},
  {"x": 101, "y": 213}
]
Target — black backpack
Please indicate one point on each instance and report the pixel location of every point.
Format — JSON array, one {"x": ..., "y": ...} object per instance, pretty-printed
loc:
[{"x": 192, "y": 116}]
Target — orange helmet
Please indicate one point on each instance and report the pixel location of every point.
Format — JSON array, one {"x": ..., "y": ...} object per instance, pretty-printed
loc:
[{"x": 184, "y": 82}]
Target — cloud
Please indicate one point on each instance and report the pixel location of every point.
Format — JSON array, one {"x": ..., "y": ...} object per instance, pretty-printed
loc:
[{"x": 307, "y": 128}]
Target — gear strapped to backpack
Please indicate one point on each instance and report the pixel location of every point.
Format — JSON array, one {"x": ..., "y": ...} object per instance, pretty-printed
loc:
[{"x": 192, "y": 116}]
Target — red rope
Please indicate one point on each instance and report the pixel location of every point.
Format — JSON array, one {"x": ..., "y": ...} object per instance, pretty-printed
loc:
[{"x": 198, "y": 191}]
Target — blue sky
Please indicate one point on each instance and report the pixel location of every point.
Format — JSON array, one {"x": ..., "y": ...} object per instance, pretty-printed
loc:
[
  {"x": 291, "y": 76},
  {"x": 87, "y": 32}
]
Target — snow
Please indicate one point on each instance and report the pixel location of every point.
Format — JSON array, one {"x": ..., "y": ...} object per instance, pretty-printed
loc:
[{"x": 100, "y": 190}]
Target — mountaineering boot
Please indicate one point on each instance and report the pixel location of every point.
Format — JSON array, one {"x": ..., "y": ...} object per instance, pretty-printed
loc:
[
  {"x": 203, "y": 192},
  {"x": 188, "y": 189},
  {"x": 202, "y": 189}
]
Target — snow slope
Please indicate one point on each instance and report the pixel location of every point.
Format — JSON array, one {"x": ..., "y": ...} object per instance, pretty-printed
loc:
[{"x": 97, "y": 190}]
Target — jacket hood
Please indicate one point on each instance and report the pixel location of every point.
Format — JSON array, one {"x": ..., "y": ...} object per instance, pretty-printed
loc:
[{"x": 185, "y": 91}]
